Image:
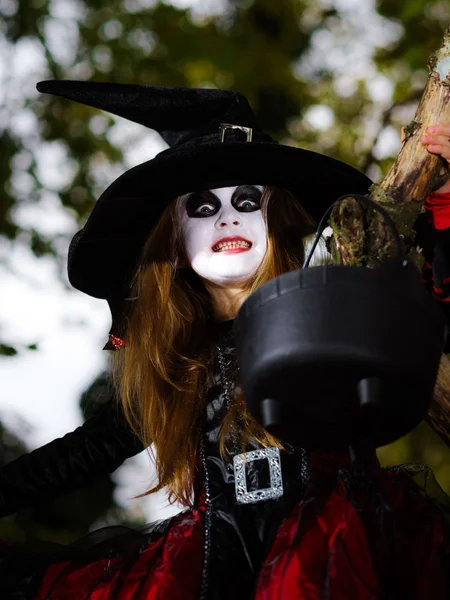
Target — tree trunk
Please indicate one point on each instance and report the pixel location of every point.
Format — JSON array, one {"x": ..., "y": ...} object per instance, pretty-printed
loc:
[
  {"x": 360, "y": 236},
  {"x": 439, "y": 411}
]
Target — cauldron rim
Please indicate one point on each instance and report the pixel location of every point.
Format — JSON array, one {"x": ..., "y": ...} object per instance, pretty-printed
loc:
[{"x": 254, "y": 301}]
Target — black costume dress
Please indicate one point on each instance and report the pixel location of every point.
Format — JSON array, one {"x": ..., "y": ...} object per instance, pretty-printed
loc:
[{"x": 338, "y": 530}]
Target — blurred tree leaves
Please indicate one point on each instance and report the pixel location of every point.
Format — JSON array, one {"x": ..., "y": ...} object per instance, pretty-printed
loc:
[
  {"x": 7, "y": 350},
  {"x": 259, "y": 47},
  {"x": 252, "y": 48}
]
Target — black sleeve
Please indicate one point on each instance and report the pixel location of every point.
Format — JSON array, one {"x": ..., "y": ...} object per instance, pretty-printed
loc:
[
  {"x": 436, "y": 268},
  {"x": 96, "y": 448}
]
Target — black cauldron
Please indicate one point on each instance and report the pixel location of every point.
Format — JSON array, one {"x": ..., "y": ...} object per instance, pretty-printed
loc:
[{"x": 333, "y": 355}]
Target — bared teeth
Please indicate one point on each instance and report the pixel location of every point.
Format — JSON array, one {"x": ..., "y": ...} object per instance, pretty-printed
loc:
[{"x": 231, "y": 245}]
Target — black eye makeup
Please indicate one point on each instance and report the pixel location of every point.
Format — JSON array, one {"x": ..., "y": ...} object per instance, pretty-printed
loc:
[
  {"x": 245, "y": 198},
  {"x": 202, "y": 204}
]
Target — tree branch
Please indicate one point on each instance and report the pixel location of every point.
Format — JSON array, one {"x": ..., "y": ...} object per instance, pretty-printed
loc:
[{"x": 402, "y": 193}]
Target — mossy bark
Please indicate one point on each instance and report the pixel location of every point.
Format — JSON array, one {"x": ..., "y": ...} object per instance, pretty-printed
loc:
[{"x": 360, "y": 236}]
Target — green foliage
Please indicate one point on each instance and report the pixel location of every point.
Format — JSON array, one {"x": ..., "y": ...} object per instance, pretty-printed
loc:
[
  {"x": 252, "y": 48},
  {"x": 8, "y": 148},
  {"x": 258, "y": 47},
  {"x": 7, "y": 350},
  {"x": 421, "y": 446}
]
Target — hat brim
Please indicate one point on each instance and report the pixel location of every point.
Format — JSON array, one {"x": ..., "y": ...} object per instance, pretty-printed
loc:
[{"x": 103, "y": 257}]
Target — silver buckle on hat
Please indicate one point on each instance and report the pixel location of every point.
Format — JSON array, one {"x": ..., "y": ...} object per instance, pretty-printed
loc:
[
  {"x": 243, "y": 496},
  {"x": 224, "y": 126}
]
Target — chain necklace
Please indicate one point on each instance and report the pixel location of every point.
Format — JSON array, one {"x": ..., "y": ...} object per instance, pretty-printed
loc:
[
  {"x": 304, "y": 470},
  {"x": 229, "y": 371},
  {"x": 207, "y": 526}
]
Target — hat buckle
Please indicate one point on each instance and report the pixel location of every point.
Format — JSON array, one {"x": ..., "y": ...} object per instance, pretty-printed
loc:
[{"x": 224, "y": 126}]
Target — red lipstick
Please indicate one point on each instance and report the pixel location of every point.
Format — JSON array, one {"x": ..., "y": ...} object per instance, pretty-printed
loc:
[{"x": 232, "y": 244}]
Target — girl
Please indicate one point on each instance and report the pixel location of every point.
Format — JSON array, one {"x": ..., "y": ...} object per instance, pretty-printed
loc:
[{"x": 175, "y": 246}]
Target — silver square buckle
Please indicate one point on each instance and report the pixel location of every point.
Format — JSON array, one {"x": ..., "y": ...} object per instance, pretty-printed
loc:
[
  {"x": 224, "y": 126},
  {"x": 243, "y": 496}
]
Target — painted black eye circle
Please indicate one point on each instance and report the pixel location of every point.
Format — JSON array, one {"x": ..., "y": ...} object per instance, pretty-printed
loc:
[
  {"x": 202, "y": 204},
  {"x": 247, "y": 204},
  {"x": 205, "y": 209},
  {"x": 247, "y": 198}
]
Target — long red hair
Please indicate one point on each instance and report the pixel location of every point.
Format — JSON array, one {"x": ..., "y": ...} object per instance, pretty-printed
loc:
[{"x": 162, "y": 375}]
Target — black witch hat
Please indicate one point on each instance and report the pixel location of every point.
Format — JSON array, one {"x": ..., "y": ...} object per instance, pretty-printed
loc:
[{"x": 214, "y": 142}]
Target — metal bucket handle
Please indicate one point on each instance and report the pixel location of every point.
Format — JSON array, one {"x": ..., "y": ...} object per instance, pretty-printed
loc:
[{"x": 360, "y": 198}]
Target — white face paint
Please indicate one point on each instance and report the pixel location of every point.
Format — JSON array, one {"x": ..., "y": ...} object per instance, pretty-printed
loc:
[{"x": 224, "y": 232}]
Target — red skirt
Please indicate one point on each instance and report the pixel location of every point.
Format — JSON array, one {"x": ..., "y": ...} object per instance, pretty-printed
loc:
[
  {"x": 167, "y": 568},
  {"x": 329, "y": 547}
]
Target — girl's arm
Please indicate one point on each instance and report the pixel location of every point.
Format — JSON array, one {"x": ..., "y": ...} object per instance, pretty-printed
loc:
[
  {"x": 433, "y": 228},
  {"x": 96, "y": 448},
  {"x": 437, "y": 141}
]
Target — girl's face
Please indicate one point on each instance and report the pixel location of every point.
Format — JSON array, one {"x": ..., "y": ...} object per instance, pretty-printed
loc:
[{"x": 224, "y": 232}]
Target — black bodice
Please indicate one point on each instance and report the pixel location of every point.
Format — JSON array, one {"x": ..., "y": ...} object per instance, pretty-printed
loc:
[{"x": 242, "y": 534}]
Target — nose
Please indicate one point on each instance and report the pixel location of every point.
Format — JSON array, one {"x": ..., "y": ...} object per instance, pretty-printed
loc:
[{"x": 227, "y": 217}]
